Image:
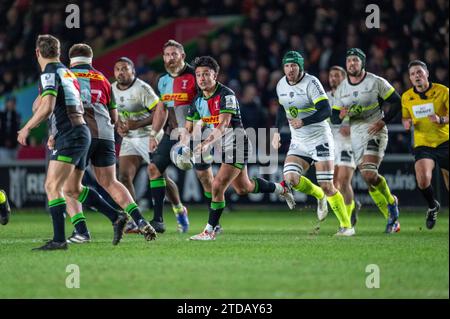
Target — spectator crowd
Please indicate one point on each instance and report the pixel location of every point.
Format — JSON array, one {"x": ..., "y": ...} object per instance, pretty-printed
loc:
[{"x": 249, "y": 53}]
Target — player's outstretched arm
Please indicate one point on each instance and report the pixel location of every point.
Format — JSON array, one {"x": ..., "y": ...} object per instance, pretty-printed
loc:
[{"x": 43, "y": 112}]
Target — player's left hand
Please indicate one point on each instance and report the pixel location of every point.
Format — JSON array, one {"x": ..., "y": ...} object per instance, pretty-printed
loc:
[
  {"x": 22, "y": 135},
  {"x": 376, "y": 127},
  {"x": 201, "y": 148},
  {"x": 296, "y": 123},
  {"x": 433, "y": 118}
]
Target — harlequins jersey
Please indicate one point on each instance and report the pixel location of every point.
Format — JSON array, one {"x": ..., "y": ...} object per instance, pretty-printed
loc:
[{"x": 59, "y": 81}]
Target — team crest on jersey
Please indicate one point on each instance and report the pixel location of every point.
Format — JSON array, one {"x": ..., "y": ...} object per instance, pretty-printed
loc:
[
  {"x": 122, "y": 99},
  {"x": 291, "y": 94},
  {"x": 216, "y": 105},
  {"x": 355, "y": 93},
  {"x": 184, "y": 84}
]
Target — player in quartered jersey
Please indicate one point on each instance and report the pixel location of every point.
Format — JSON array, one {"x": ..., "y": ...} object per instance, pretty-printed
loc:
[
  {"x": 100, "y": 112},
  {"x": 359, "y": 97},
  {"x": 176, "y": 89},
  {"x": 136, "y": 100},
  {"x": 344, "y": 163},
  {"x": 59, "y": 99},
  {"x": 217, "y": 108},
  {"x": 307, "y": 109}
]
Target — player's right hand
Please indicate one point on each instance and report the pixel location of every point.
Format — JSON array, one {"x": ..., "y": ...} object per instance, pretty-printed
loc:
[
  {"x": 276, "y": 141},
  {"x": 407, "y": 123},
  {"x": 51, "y": 142}
]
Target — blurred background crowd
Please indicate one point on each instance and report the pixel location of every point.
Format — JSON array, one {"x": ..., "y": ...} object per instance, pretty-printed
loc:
[{"x": 249, "y": 53}]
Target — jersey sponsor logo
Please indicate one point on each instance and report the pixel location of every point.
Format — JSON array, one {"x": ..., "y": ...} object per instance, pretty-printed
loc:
[
  {"x": 69, "y": 74},
  {"x": 323, "y": 150},
  {"x": 48, "y": 80},
  {"x": 91, "y": 76},
  {"x": 230, "y": 102},
  {"x": 318, "y": 87},
  {"x": 179, "y": 97},
  {"x": 293, "y": 111},
  {"x": 423, "y": 110},
  {"x": 214, "y": 119}
]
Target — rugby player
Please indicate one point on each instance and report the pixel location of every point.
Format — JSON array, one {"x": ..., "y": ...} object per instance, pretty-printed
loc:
[
  {"x": 177, "y": 90},
  {"x": 5, "y": 210},
  {"x": 59, "y": 99},
  {"x": 361, "y": 97},
  {"x": 425, "y": 108},
  {"x": 218, "y": 109},
  {"x": 344, "y": 163},
  {"x": 307, "y": 109},
  {"x": 100, "y": 113},
  {"x": 136, "y": 100}
]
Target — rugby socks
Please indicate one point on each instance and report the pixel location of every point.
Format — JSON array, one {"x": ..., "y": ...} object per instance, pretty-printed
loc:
[
  {"x": 158, "y": 186},
  {"x": 2, "y": 197},
  {"x": 57, "y": 208},
  {"x": 383, "y": 188},
  {"x": 90, "y": 198},
  {"x": 428, "y": 194},
  {"x": 178, "y": 209},
  {"x": 380, "y": 201},
  {"x": 337, "y": 204},
  {"x": 208, "y": 197},
  {"x": 133, "y": 210},
  {"x": 307, "y": 187},
  {"x": 263, "y": 186},
  {"x": 350, "y": 208},
  {"x": 79, "y": 222},
  {"x": 214, "y": 214}
]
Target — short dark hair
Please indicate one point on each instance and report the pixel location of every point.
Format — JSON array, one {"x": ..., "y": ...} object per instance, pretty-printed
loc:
[
  {"x": 338, "y": 68},
  {"x": 49, "y": 46},
  {"x": 206, "y": 61},
  {"x": 173, "y": 43},
  {"x": 417, "y": 62},
  {"x": 126, "y": 60},
  {"x": 80, "y": 49}
]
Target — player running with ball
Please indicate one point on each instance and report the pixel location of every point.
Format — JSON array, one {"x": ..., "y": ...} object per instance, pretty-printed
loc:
[{"x": 218, "y": 109}]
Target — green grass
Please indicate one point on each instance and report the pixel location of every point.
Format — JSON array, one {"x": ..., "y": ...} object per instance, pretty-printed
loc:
[{"x": 261, "y": 254}]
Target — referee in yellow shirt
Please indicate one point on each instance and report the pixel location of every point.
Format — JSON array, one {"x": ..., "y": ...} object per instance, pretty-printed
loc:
[{"x": 425, "y": 107}]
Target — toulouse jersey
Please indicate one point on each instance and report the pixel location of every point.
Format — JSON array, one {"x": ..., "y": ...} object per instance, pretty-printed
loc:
[
  {"x": 299, "y": 102},
  {"x": 363, "y": 99},
  {"x": 135, "y": 103}
]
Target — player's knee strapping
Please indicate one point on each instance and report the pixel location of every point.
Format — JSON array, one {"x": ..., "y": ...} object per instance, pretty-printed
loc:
[
  {"x": 369, "y": 167},
  {"x": 293, "y": 168},
  {"x": 324, "y": 176}
]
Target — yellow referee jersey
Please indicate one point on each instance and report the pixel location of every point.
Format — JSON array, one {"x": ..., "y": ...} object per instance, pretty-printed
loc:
[{"x": 417, "y": 107}]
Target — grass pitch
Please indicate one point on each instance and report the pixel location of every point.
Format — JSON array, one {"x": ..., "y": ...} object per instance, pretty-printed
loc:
[{"x": 261, "y": 254}]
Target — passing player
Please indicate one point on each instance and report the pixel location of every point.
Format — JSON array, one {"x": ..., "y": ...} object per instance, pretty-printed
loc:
[
  {"x": 344, "y": 163},
  {"x": 307, "y": 109},
  {"x": 135, "y": 100},
  {"x": 425, "y": 108},
  {"x": 5, "y": 210},
  {"x": 177, "y": 90},
  {"x": 59, "y": 99},
  {"x": 218, "y": 109},
  {"x": 100, "y": 112},
  {"x": 361, "y": 97}
]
